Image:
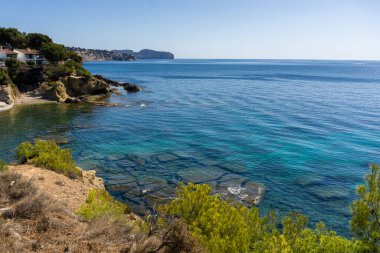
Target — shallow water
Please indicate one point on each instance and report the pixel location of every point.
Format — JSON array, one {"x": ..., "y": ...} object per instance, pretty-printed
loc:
[{"x": 305, "y": 130}]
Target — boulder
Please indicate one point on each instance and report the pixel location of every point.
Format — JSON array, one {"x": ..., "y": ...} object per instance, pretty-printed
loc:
[
  {"x": 55, "y": 91},
  {"x": 8, "y": 94},
  {"x": 109, "y": 81},
  {"x": 79, "y": 86},
  {"x": 130, "y": 87}
]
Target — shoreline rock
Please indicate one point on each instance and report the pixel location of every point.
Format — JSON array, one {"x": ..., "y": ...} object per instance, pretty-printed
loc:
[{"x": 129, "y": 87}]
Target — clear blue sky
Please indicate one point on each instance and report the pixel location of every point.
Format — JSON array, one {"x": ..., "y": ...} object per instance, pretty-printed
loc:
[{"x": 280, "y": 29}]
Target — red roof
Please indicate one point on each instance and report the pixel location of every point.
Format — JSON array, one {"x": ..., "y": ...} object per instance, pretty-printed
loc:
[
  {"x": 8, "y": 51},
  {"x": 28, "y": 51}
]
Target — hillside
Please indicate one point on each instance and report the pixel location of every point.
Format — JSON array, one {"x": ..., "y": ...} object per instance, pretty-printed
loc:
[{"x": 119, "y": 55}]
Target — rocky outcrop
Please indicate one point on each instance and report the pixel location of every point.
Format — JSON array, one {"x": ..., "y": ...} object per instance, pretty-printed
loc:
[
  {"x": 81, "y": 86},
  {"x": 74, "y": 89},
  {"x": 8, "y": 95},
  {"x": 109, "y": 81},
  {"x": 129, "y": 87},
  {"x": 56, "y": 92}
]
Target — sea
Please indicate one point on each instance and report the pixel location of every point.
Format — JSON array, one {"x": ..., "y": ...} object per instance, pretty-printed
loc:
[{"x": 303, "y": 131}]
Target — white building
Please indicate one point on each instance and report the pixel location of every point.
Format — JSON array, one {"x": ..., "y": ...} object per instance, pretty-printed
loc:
[
  {"x": 28, "y": 55},
  {"x": 6, "y": 53}
]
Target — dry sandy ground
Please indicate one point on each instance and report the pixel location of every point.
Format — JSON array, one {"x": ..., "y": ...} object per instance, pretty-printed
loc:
[
  {"x": 25, "y": 99},
  {"x": 55, "y": 227},
  {"x": 68, "y": 192}
]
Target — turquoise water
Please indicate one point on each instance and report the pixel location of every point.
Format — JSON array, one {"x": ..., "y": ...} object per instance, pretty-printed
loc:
[{"x": 305, "y": 130}]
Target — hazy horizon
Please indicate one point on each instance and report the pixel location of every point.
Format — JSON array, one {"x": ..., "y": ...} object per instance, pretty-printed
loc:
[{"x": 224, "y": 29}]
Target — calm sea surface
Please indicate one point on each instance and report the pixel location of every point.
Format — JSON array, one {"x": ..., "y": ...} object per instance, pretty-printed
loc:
[{"x": 305, "y": 130}]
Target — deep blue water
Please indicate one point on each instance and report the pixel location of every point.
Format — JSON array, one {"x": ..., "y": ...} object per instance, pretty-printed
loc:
[{"x": 305, "y": 130}]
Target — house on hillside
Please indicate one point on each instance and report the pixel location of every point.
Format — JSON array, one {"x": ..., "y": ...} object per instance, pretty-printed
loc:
[
  {"x": 7, "y": 53},
  {"x": 28, "y": 55}
]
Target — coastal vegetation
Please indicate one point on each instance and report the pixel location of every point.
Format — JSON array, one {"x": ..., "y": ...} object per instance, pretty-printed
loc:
[
  {"x": 47, "y": 154},
  {"x": 100, "y": 204},
  {"x": 196, "y": 220},
  {"x": 3, "y": 166}
]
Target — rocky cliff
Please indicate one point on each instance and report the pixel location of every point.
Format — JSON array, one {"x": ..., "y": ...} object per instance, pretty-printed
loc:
[
  {"x": 8, "y": 95},
  {"x": 73, "y": 89}
]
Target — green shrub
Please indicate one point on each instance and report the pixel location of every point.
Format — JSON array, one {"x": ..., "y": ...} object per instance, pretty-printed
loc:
[
  {"x": 75, "y": 57},
  {"x": 100, "y": 203},
  {"x": 57, "y": 71},
  {"x": 14, "y": 66},
  {"x": 225, "y": 227},
  {"x": 4, "y": 78},
  {"x": 3, "y": 165},
  {"x": 366, "y": 210},
  {"x": 47, "y": 154}
]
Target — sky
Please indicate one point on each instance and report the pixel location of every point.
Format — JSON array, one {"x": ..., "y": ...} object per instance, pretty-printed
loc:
[{"x": 210, "y": 29}]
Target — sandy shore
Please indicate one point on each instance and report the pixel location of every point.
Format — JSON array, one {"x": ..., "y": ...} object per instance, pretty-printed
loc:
[{"x": 25, "y": 99}]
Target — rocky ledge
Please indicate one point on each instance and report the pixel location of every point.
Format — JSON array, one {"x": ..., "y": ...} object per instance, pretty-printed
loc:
[
  {"x": 129, "y": 87},
  {"x": 73, "y": 89}
]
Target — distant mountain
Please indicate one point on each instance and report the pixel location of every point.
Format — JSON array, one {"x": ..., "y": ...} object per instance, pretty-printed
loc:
[
  {"x": 119, "y": 55},
  {"x": 151, "y": 54}
]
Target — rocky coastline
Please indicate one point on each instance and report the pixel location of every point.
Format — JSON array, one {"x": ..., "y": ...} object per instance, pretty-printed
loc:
[{"x": 70, "y": 89}]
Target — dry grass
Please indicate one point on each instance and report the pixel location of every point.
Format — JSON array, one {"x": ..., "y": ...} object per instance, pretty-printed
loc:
[{"x": 38, "y": 216}]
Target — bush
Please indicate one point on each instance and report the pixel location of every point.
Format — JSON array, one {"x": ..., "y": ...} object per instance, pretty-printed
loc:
[
  {"x": 99, "y": 204},
  {"x": 225, "y": 227},
  {"x": 75, "y": 57},
  {"x": 4, "y": 78},
  {"x": 366, "y": 211},
  {"x": 55, "y": 72},
  {"x": 14, "y": 66},
  {"x": 49, "y": 155},
  {"x": 3, "y": 166}
]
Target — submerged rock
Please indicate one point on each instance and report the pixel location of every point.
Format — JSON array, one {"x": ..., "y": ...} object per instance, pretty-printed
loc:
[
  {"x": 200, "y": 176},
  {"x": 250, "y": 193},
  {"x": 329, "y": 192}
]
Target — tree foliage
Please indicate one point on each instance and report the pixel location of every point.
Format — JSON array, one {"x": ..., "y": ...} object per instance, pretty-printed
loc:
[
  {"x": 222, "y": 226},
  {"x": 37, "y": 40},
  {"x": 3, "y": 165},
  {"x": 4, "y": 78},
  {"x": 57, "y": 71},
  {"x": 13, "y": 66},
  {"x": 366, "y": 210},
  {"x": 12, "y": 37},
  {"x": 74, "y": 56},
  {"x": 47, "y": 154},
  {"x": 54, "y": 53},
  {"x": 99, "y": 204}
]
